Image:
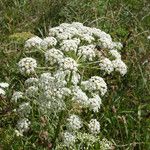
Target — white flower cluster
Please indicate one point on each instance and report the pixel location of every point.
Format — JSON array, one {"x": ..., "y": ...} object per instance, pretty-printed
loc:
[
  {"x": 95, "y": 103},
  {"x": 120, "y": 66},
  {"x": 65, "y": 81},
  {"x": 3, "y": 85},
  {"x": 31, "y": 82},
  {"x": 80, "y": 96},
  {"x": 74, "y": 122},
  {"x": 94, "y": 126},
  {"x": 87, "y": 52},
  {"x": 22, "y": 126},
  {"x": 68, "y": 64},
  {"x": 95, "y": 84},
  {"x": 31, "y": 91},
  {"x": 48, "y": 42},
  {"x": 106, "y": 65},
  {"x": 69, "y": 138},
  {"x": 24, "y": 109},
  {"x": 115, "y": 54},
  {"x": 33, "y": 42},
  {"x": 53, "y": 56},
  {"x": 70, "y": 45},
  {"x": 27, "y": 65},
  {"x": 105, "y": 144},
  {"x": 16, "y": 96}
]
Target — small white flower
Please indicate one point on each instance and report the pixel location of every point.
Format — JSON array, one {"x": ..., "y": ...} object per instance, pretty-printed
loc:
[
  {"x": 31, "y": 82},
  {"x": 95, "y": 103},
  {"x": 95, "y": 84},
  {"x": 27, "y": 65},
  {"x": 16, "y": 95},
  {"x": 69, "y": 45},
  {"x": 115, "y": 54},
  {"x": 18, "y": 133},
  {"x": 23, "y": 125},
  {"x": 148, "y": 37},
  {"x": 48, "y": 42},
  {"x": 64, "y": 25},
  {"x": 105, "y": 40},
  {"x": 69, "y": 138},
  {"x": 55, "y": 31},
  {"x": 117, "y": 45},
  {"x": 2, "y": 92},
  {"x": 53, "y": 56},
  {"x": 75, "y": 78},
  {"x": 86, "y": 37},
  {"x": 120, "y": 66},
  {"x": 64, "y": 36},
  {"x": 45, "y": 81},
  {"x": 105, "y": 144},
  {"x": 74, "y": 122},
  {"x": 72, "y": 30},
  {"x": 87, "y": 52},
  {"x": 94, "y": 126},
  {"x": 33, "y": 42},
  {"x": 106, "y": 65},
  {"x": 68, "y": 64},
  {"x": 4, "y": 85},
  {"x": 80, "y": 97},
  {"x": 32, "y": 91},
  {"x": 24, "y": 109}
]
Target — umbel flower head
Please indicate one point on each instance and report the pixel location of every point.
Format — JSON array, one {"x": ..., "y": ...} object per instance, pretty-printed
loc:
[
  {"x": 27, "y": 65},
  {"x": 69, "y": 81}
]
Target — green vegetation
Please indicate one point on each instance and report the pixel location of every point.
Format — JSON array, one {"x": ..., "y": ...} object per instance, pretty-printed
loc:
[{"x": 125, "y": 113}]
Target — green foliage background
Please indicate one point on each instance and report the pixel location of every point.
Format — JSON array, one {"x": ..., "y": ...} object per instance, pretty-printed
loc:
[{"x": 125, "y": 115}]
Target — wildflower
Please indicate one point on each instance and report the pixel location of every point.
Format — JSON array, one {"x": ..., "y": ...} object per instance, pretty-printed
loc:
[
  {"x": 32, "y": 91},
  {"x": 23, "y": 125},
  {"x": 95, "y": 84},
  {"x": 69, "y": 138},
  {"x": 48, "y": 42},
  {"x": 105, "y": 40},
  {"x": 87, "y": 52},
  {"x": 24, "y": 109},
  {"x": 16, "y": 95},
  {"x": 106, "y": 65},
  {"x": 2, "y": 92},
  {"x": 53, "y": 56},
  {"x": 120, "y": 66},
  {"x": 117, "y": 45},
  {"x": 27, "y": 65},
  {"x": 55, "y": 31},
  {"x": 31, "y": 82},
  {"x": 115, "y": 54},
  {"x": 148, "y": 37},
  {"x": 94, "y": 126},
  {"x": 18, "y": 133},
  {"x": 74, "y": 122},
  {"x": 33, "y": 42},
  {"x": 80, "y": 97},
  {"x": 87, "y": 38},
  {"x": 4, "y": 85},
  {"x": 68, "y": 64},
  {"x": 69, "y": 45},
  {"x": 95, "y": 103},
  {"x": 105, "y": 144},
  {"x": 64, "y": 36}
]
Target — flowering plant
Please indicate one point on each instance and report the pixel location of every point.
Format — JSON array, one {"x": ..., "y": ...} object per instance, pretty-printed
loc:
[{"x": 68, "y": 85}]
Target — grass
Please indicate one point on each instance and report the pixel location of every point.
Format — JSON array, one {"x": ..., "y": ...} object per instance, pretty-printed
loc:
[{"x": 125, "y": 115}]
